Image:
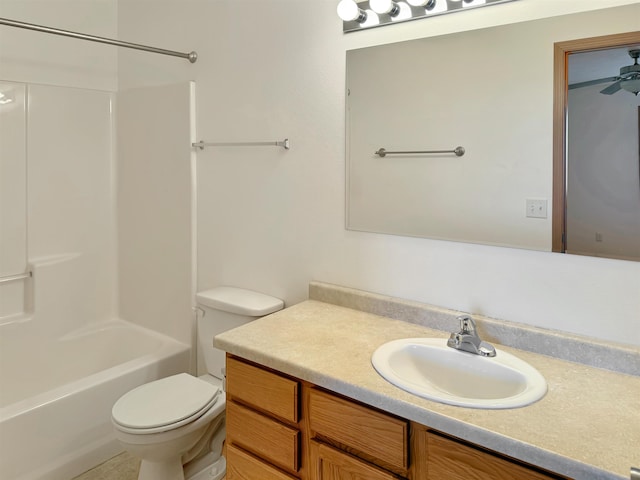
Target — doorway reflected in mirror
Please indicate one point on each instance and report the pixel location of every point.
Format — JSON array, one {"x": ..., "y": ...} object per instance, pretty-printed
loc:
[{"x": 598, "y": 186}]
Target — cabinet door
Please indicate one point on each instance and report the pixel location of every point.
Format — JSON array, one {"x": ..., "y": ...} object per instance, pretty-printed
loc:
[
  {"x": 263, "y": 436},
  {"x": 448, "y": 459},
  {"x": 328, "y": 463},
  {"x": 264, "y": 390},
  {"x": 376, "y": 436},
  {"x": 243, "y": 466}
]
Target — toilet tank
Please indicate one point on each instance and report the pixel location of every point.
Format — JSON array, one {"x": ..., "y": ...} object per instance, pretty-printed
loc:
[{"x": 223, "y": 308}]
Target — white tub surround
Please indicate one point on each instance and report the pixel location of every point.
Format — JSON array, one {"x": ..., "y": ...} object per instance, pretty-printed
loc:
[{"x": 564, "y": 432}]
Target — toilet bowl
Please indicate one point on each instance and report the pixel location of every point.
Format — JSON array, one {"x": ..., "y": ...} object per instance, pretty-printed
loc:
[
  {"x": 169, "y": 423},
  {"x": 175, "y": 425}
]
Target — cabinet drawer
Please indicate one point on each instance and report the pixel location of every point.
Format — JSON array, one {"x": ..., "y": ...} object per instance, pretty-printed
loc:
[
  {"x": 448, "y": 459},
  {"x": 262, "y": 389},
  {"x": 267, "y": 438},
  {"x": 375, "y": 435},
  {"x": 243, "y": 466},
  {"x": 332, "y": 464}
]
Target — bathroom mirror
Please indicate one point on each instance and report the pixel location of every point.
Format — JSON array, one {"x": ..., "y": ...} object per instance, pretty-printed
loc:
[{"x": 490, "y": 91}]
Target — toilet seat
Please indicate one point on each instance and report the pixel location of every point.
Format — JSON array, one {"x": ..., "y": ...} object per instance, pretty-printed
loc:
[{"x": 164, "y": 404}]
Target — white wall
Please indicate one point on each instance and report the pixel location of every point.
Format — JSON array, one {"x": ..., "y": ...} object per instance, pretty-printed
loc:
[
  {"x": 272, "y": 220},
  {"x": 603, "y": 190}
]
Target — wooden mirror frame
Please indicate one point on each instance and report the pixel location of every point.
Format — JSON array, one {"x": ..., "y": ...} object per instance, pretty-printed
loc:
[{"x": 561, "y": 53}]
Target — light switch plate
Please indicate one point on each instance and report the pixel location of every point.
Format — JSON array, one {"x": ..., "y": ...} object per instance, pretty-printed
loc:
[{"x": 537, "y": 207}]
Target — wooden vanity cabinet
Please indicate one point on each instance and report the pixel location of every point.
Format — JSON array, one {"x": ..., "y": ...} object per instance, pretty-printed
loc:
[
  {"x": 351, "y": 440},
  {"x": 329, "y": 463},
  {"x": 244, "y": 466},
  {"x": 281, "y": 428},
  {"x": 440, "y": 457},
  {"x": 264, "y": 441}
]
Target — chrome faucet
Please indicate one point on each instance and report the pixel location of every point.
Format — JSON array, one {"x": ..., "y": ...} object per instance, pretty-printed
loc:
[{"x": 467, "y": 339}]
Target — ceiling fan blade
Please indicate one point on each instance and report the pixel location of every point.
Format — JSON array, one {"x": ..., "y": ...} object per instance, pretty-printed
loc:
[
  {"x": 591, "y": 82},
  {"x": 611, "y": 89}
]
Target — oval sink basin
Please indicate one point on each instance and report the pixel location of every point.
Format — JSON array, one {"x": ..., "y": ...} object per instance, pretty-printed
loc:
[{"x": 427, "y": 367}]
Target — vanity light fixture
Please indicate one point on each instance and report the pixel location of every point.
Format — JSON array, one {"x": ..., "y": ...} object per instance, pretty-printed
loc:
[
  {"x": 389, "y": 7},
  {"x": 349, "y": 11},
  {"x": 356, "y": 14},
  {"x": 473, "y": 3},
  {"x": 427, "y": 4},
  {"x": 404, "y": 12},
  {"x": 372, "y": 19}
]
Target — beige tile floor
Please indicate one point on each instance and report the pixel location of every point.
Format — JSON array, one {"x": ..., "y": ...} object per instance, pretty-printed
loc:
[{"x": 121, "y": 467}]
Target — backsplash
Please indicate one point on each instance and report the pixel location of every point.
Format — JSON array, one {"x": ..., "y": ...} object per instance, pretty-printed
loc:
[{"x": 566, "y": 346}]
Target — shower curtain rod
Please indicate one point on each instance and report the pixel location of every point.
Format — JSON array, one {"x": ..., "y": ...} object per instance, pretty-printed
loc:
[{"x": 191, "y": 56}]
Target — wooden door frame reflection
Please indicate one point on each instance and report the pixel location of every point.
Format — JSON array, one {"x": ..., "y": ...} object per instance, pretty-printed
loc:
[{"x": 561, "y": 53}]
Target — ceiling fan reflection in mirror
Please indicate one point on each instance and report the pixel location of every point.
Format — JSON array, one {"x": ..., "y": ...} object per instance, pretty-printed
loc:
[{"x": 629, "y": 78}]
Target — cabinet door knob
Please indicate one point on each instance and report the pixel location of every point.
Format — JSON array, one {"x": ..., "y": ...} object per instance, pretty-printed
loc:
[{"x": 634, "y": 474}]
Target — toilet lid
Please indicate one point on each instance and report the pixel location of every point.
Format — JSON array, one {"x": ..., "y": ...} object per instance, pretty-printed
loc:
[{"x": 164, "y": 402}]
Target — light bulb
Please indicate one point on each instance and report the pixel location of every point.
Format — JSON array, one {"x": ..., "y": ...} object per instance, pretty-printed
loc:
[
  {"x": 427, "y": 4},
  {"x": 372, "y": 19},
  {"x": 348, "y": 11},
  {"x": 404, "y": 12},
  {"x": 420, "y": 3},
  {"x": 632, "y": 85},
  {"x": 385, "y": 6}
]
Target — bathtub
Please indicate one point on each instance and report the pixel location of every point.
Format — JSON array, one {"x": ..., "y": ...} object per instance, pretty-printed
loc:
[{"x": 56, "y": 395}]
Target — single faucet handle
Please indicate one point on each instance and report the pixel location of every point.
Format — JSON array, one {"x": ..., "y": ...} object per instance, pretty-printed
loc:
[
  {"x": 467, "y": 325},
  {"x": 467, "y": 339}
]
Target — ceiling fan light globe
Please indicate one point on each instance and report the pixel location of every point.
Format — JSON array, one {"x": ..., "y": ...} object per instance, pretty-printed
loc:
[{"x": 632, "y": 86}]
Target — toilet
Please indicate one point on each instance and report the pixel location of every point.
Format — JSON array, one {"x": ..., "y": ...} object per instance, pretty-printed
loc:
[{"x": 176, "y": 425}]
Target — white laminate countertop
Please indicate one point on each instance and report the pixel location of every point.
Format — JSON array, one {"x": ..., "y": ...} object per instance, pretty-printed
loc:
[{"x": 586, "y": 427}]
